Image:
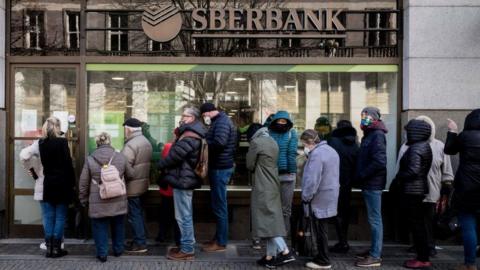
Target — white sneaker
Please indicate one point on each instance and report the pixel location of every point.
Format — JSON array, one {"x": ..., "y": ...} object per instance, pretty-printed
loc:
[
  {"x": 313, "y": 265},
  {"x": 43, "y": 246}
]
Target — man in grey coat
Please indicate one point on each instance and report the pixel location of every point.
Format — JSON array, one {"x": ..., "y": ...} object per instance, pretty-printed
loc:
[
  {"x": 440, "y": 174},
  {"x": 320, "y": 189},
  {"x": 138, "y": 152},
  {"x": 266, "y": 204}
]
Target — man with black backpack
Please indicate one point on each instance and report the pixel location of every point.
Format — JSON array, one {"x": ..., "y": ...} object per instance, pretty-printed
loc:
[{"x": 183, "y": 168}]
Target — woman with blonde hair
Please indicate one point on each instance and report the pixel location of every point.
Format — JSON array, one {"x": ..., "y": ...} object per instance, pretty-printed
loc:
[
  {"x": 58, "y": 184},
  {"x": 104, "y": 213}
]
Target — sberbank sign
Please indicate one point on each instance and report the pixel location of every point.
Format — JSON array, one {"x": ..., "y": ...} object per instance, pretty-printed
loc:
[{"x": 165, "y": 23}]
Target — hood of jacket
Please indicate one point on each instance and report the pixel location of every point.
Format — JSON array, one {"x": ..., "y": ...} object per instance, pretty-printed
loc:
[
  {"x": 430, "y": 122},
  {"x": 282, "y": 115},
  {"x": 377, "y": 125},
  {"x": 347, "y": 134},
  {"x": 472, "y": 121},
  {"x": 263, "y": 132},
  {"x": 417, "y": 131},
  {"x": 196, "y": 127}
]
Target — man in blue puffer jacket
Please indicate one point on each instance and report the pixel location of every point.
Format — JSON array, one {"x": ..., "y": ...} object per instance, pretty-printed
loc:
[
  {"x": 222, "y": 141},
  {"x": 281, "y": 130}
]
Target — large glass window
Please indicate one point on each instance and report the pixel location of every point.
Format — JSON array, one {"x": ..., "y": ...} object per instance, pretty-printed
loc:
[{"x": 156, "y": 94}]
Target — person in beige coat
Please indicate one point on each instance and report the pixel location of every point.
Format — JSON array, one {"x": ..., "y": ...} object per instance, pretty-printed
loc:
[
  {"x": 138, "y": 152},
  {"x": 104, "y": 213}
]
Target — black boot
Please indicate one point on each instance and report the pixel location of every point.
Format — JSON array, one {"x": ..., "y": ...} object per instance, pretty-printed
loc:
[
  {"x": 57, "y": 250},
  {"x": 48, "y": 243}
]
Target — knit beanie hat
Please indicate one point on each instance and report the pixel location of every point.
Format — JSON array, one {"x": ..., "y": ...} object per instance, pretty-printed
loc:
[
  {"x": 373, "y": 112},
  {"x": 207, "y": 107}
]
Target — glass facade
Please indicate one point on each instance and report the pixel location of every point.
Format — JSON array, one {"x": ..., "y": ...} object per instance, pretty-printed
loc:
[{"x": 306, "y": 92}]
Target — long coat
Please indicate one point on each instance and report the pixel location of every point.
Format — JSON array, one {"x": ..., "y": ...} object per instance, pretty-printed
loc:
[{"x": 266, "y": 205}]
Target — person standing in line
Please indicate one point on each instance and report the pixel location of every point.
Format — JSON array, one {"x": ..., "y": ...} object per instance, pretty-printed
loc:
[
  {"x": 320, "y": 189},
  {"x": 440, "y": 178},
  {"x": 178, "y": 171},
  {"x": 344, "y": 140},
  {"x": 58, "y": 185},
  {"x": 222, "y": 142},
  {"x": 282, "y": 131},
  {"x": 138, "y": 152},
  {"x": 466, "y": 195},
  {"x": 412, "y": 178},
  {"x": 104, "y": 213},
  {"x": 371, "y": 177},
  {"x": 266, "y": 205},
  {"x": 323, "y": 127}
]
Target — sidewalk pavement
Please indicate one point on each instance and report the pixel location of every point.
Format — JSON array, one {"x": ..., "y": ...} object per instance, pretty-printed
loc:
[{"x": 16, "y": 254}]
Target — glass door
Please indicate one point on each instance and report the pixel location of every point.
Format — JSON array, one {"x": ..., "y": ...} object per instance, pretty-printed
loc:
[{"x": 38, "y": 93}]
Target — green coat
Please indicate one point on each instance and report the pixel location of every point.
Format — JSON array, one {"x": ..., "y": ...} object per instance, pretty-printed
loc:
[{"x": 266, "y": 206}]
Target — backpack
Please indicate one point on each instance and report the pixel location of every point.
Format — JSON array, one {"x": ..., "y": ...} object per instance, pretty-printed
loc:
[
  {"x": 110, "y": 184},
  {"x": 201, "y": 169}
]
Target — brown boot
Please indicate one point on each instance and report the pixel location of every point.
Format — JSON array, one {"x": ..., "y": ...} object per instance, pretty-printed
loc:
[
  {"x": 180, "y": 256},
  {"x": 214, "y": 247}
]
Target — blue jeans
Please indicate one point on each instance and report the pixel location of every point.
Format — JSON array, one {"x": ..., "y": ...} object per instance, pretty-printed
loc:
[
  {"x": 373, "y": 201},
  {"x": 182, "y": 200},
  {"x": 100, "y": 228},
  {"x": 54, "y": 216},
  {"x": 468, "y": 224},
  {"x": 135, "y": 219},
  {"x": 275, "y": 245},
  {"x": 218, "y": 190}
]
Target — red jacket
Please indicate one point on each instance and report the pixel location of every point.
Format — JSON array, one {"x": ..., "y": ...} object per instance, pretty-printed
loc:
[{"x": 169, "y": 191}]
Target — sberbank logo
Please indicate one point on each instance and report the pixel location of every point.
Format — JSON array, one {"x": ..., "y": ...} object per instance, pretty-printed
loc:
[{"x": 162, "y": 23}]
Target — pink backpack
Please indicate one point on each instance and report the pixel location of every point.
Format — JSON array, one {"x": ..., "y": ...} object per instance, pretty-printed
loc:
[{"x": 111, "y": 185}]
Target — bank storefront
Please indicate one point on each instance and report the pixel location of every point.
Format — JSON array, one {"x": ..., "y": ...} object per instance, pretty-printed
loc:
[{"x": 95, "y": 63}]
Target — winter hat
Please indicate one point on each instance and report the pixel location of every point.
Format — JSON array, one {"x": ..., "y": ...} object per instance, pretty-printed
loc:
[
  {"x": 344, "y": 124},
  {"x": 207, "y": 107},
  {"x": 133, "y": 122},
  {"x": 374, "y": 112},
  {"x": 252, "y": 129},
  {"x": 322, "y": 121}
]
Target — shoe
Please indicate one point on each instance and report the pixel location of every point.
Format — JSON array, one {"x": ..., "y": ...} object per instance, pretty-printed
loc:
[
  {"x": 214, "y": 247},
  {"x": 339, "y": 248},
  {"x": 102, "y": 259},
  {"x": 433, "y": 252},
  {"x": 363, "y": 255},
  {"x": 137, "y": 248},
  {"x": 57, "y": 250},
  {"x": 466, "y": 267},
  {"x": 174, "y": 250},
  {"x": 115, "y": 254},
  {"x": 315, "y": 265},
  {"x": 369, "y": 262},
  {"x": 267, "y": 263},
  {"x": 180, "y": 256},
  {"x": 209, "y": 242},
  {"x": 256, "y": 244},
  {"x": 416, "y": 264},
  {"x": 48, "y": 247},
  {"x": 282, "y": 259}
]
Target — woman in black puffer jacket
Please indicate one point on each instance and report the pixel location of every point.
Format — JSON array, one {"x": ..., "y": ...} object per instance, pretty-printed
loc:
[
  {"x": 413, "y": 180},
  {"x": 466, "y": 197}
]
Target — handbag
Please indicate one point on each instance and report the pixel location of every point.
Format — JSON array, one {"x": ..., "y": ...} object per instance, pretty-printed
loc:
[{"x": 306, "y": 234}]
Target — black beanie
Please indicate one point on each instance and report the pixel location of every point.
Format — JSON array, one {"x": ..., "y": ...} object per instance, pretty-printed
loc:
[{"x": 207, "y": 107}]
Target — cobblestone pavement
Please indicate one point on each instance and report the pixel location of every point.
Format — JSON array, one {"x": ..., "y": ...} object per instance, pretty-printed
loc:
[{"x": 25, "y": 254}]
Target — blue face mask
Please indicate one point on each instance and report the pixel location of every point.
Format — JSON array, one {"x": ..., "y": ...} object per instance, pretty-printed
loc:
[{"x": 367, "y": 121}]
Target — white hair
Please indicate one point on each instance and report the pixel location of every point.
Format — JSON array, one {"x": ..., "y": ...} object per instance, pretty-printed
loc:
[{"x": 134, "y": 128}]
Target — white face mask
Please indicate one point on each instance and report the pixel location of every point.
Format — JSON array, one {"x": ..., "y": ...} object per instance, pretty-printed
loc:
[
  {"x": 306, "y": 151},
  {"x": 207, "y": 120}
]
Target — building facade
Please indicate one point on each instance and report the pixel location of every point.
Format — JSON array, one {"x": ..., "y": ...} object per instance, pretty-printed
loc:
[{"x": 95, "y": 63}]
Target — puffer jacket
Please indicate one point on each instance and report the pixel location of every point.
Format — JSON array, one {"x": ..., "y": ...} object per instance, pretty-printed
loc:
[
  {"x": 466, "y": 196},
  {"x": 222, "y": 142},
  {"x": 287, "y": 144},
  {"x": 371, "y": 171},
  {"x": 344, "y": 141},
  {"x": 89, "y": 191},
  {"x": 415, "y": 163},
  {"x": 30, "y": 158},
  {"x": 138, "y": 152},
  {"x": 179, "y": 165}
]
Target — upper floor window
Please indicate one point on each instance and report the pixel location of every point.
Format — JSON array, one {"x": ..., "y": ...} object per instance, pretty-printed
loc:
[
  {"x": 155, "y": 46},
  {"x": 72, "y": 29},
  {"x": 117, "y": 38},
  {"x": 378, "y": 20},
  {"x": 34, "y": 29}
]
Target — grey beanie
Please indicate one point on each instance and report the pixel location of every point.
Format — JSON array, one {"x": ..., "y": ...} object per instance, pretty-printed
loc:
[{"x": 374, "y": 112}]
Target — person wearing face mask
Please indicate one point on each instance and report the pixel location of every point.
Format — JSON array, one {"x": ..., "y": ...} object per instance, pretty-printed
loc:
[
  {"x": 371, "y": 177},
  {"x": 320, "y": 189},
  {"x": 222, "y": 142},
  {"x": 281, "y": 130}
]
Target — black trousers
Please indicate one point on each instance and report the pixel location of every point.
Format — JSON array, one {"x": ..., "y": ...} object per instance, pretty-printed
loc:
[
  {"x": 167, "y": 222},
  {"x": 321, "y": 231},
  {"x": 416, "y": 212},
  {"x": 342, "y": 220}
]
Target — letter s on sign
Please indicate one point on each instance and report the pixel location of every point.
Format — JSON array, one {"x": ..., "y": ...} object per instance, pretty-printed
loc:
[{"x": 199, "y": 21}]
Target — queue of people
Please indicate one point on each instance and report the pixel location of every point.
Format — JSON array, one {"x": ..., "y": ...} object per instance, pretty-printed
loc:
[{"x": 112, "y": 183}]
